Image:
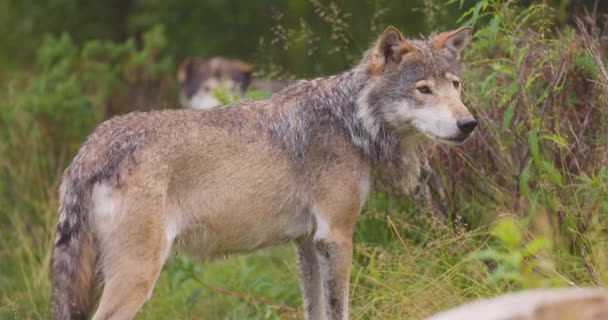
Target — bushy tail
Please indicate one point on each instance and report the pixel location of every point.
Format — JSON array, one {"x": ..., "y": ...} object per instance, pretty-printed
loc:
[{"x": 73, "y": 258}]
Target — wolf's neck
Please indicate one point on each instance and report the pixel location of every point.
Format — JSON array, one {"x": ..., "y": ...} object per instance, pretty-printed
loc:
[
  {"x": 309, "y": 105},
  {"x": 338, "y": 102}
]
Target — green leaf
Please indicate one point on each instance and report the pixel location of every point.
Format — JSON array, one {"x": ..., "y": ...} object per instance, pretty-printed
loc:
[
  {"x": 536, "y": 245},
  {"x": 224, "y": 96},
  {"x": 552, "y": 173},
  {"x": 508, "y": 92},
  {"x": 533, "y": 142},
  {"x": 507, "y": 117},
  {"x": 497, "y": 274},
  {"x": 257, "y": 94},
  {"x": 524, "y": 179},
  {"x": 602, "y": 174},
  {"x": 508, "y": 232},
  {"x": 514, "y": 276},
  {"x": 506, "y": 69},
  {"x": 494, "y": 24},
  {"x": 489, "y": 254},
  {"x": 176, "y": 279},
  {"x": 559, "y": 141},
  {"x": 474, "y": 12},
  {"x": 192, "y": 298},
  {"x": 197, "y": 271},
  {"x": 514, "y": 259}
]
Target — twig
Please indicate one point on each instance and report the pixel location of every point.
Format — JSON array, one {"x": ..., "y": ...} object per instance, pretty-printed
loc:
[
  {"x": 282, "y": 307},
  {"x": 398, "y": 235},
  {"x": 246, "y": 297},
  {"x": 592, "y": 46},
  {"x": 592, "y": 273}
]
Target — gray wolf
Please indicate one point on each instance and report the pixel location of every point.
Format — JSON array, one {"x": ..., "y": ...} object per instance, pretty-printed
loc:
[
  {"x": 200, "y": 78},
  {"x": 295, "y": 167}
]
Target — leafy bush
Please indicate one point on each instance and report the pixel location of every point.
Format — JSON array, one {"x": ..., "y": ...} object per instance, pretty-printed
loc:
[
  {"x": 542, "y": 141},
  {"x": 44, "y": 118},
  {"x": 518, "y": 261}
]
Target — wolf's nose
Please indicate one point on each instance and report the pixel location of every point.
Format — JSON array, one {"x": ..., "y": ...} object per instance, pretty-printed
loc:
[{"x": 467, "y": 125}]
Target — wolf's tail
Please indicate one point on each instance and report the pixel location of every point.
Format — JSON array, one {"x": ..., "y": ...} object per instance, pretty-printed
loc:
[{"x": 74, "y": 256}]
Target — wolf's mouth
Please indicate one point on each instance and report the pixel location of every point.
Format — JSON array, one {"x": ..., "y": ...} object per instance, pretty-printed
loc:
[{"x": 454, "y": 141}]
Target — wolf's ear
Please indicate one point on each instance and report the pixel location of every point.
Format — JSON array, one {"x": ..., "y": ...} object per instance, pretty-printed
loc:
[
  {"x": 389, "y": 49},
  {"x": 241, "y": 73},
  {"x": 454, "y": 41},
  {"x": 187, "y": 68}
]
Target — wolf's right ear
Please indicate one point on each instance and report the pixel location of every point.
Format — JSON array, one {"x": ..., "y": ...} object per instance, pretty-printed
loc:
[
  {"x": 390, "y": 47},
  {"x": 454, "y": 41}
]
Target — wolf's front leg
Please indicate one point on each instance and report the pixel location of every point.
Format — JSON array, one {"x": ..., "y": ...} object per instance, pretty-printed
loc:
[
  {"x": 310, "y": 280},
  {"x": 335, "y": 255}
]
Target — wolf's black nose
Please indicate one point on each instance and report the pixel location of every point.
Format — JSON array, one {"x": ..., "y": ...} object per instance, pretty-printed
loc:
[{"x": 467, "y": 125}]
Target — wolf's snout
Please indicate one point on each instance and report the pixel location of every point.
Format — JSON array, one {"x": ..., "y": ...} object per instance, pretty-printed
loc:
[{"x": 467, "y": 125}]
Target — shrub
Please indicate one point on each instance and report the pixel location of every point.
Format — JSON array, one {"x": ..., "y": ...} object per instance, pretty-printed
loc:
[{"x": 43, "y": 119}]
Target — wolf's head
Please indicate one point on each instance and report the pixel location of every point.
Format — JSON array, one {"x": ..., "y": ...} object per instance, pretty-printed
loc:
[
  {"x": 198, "y": 79},
  {"x": 415, "y": 86}
]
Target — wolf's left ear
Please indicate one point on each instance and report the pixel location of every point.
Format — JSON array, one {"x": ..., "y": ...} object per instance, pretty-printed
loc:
[
  {"x": 389, "y": 49},
  {"x": 454, "y": 41}
]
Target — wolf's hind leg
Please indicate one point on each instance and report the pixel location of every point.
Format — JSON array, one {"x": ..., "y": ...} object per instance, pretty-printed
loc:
[
  {"x": 310, "y": 280},
  {"x": 133, "y": 255}
]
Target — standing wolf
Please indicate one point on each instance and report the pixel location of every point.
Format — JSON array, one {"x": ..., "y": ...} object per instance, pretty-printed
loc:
[{"x": 295, "y": 167}]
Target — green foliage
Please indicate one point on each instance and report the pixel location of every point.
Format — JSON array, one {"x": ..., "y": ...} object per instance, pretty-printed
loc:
[
  {"x": 236, "y": 287},
  {"x": 224, "y": 96},
  {"x": 532, "y": 146},
  {"x": 43, "y": 118},
  {"x": 518, "y": 262}
]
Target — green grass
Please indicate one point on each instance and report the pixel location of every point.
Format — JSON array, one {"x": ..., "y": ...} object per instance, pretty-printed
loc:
[
  {"x": 269, "y": 274},
  {"x": 393, "y": 280}
]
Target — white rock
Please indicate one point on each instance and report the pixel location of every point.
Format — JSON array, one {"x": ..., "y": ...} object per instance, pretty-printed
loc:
[{"x": 538, "y": 304}]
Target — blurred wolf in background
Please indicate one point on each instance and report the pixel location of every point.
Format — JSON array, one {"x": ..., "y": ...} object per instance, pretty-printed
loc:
[
  {"x": 295, "y": 167},
  {"x": 200, "y": 78}
]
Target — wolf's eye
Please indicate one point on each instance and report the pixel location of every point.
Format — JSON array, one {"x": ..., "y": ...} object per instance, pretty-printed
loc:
[
  {"x": 424, "y": 89},
  {"x": 456, "y": 84}
]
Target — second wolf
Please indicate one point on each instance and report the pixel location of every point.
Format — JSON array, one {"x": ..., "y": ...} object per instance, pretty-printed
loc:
[
  {"x": 295, "y": 167},
  {"x": 199, "y": 79}
]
